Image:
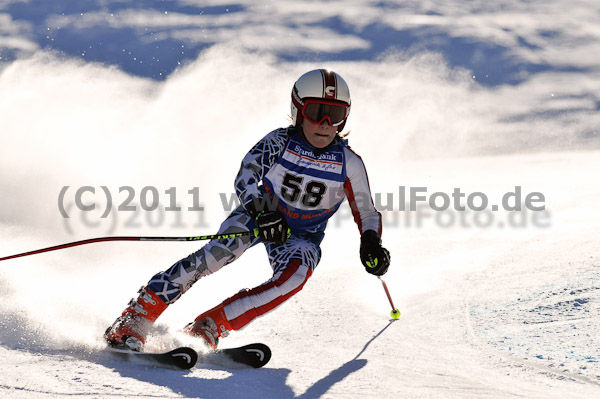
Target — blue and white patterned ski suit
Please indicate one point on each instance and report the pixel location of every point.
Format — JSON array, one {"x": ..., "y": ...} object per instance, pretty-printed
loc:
[{"x": 308, "y": 189}]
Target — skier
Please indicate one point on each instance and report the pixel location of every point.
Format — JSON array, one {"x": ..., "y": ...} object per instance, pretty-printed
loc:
[{"x": 289, "y": 184}]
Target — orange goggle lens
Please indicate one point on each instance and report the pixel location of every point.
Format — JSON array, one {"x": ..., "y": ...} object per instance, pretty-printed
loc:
[{"x": 318, "y": 111}]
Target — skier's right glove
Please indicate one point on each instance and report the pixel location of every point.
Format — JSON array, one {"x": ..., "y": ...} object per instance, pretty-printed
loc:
[
  {"x": 373, "y": 256},
  {"x": 272, "y": 227}
]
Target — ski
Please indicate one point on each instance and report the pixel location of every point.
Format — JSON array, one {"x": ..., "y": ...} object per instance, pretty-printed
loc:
[
  {"x": 182, "y": 358},
  {"x": 254, "y": 355}
]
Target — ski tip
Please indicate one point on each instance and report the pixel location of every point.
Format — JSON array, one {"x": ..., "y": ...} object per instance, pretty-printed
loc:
[
  {"x": 184, "y": 357},
  {"x": 261, "y": 352},
  {"x": 254, "y": 355},
  {"x": 180, "y": 358}
]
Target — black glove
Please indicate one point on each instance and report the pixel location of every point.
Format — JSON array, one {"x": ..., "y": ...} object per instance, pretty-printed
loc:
[
  {"x": 373, "y": 256},
  {"x": 272, "y": 227}
]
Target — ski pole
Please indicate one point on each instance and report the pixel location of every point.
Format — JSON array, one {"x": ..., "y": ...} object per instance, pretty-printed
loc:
[
  {"x": 101, "y": 239},
  {"x": 395, "y": 313}
]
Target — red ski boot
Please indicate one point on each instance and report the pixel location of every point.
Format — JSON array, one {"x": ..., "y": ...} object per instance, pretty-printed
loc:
[
  {"x": 210, "y": 326},
  {"x": 130, "y": 329}
]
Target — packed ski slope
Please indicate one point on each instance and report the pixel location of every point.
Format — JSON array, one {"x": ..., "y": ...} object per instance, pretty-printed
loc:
[
  {"x": 144, "y": 101},
  {"x": 486, "y": 312}
]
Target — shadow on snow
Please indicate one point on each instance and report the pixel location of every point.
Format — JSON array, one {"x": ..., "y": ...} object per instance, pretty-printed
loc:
[{"x": 156, "y": 51}]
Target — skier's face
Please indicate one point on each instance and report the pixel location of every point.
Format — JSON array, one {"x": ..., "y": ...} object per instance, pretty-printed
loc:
[{"x": 318, "y": 135}]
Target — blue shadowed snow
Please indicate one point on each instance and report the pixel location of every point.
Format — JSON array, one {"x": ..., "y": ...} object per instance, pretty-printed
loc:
[{"x": 172, "y": 37}]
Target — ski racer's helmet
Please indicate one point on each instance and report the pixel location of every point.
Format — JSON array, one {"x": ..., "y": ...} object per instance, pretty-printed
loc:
[{"x": 321, "y": 95}]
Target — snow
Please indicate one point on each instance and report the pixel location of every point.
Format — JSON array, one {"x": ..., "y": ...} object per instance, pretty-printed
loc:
[
  {"x": 485, "y": 313},
  {"x": 494, "y": 304}
]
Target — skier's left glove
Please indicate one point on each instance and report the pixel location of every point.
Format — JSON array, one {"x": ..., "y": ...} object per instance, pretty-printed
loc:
[{"x": 373, "y": 256}]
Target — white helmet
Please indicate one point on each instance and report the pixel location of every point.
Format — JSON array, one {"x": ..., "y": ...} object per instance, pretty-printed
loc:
[{"x": 325, "y": 89}]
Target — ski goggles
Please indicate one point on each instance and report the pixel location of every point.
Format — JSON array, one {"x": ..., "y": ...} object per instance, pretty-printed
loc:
[{"x": 317, "y": 111}]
